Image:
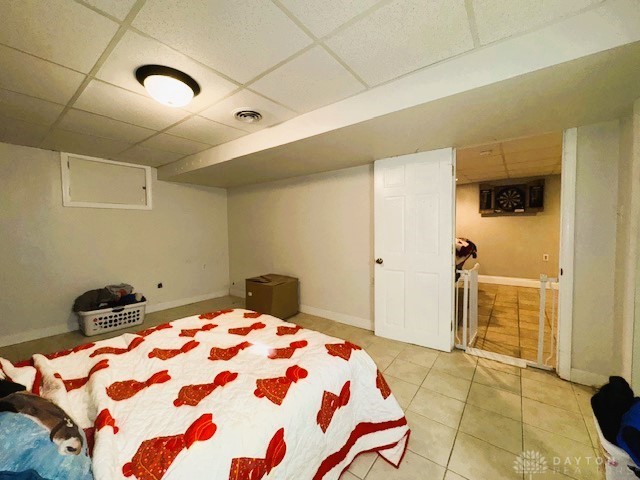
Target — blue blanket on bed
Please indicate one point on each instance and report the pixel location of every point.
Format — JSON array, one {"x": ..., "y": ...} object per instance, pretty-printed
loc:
[{"x": 27, "y": 453}]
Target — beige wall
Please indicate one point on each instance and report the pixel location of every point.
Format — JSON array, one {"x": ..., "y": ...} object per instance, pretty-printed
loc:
[
  {"x": 626, "y": 248},
  {"x": 595, "y": 344},
  {"x": 50, "y": 254},
  {"x": 634, "y": 239},
  {"x": 318, "y": 228},
  {"x": 512, "y": 246}
]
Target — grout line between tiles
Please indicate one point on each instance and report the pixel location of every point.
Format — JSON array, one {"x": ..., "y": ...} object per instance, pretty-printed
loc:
[{"x": 464, "y": 408}]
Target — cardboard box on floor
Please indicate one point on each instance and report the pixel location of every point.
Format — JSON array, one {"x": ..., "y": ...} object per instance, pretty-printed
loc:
[{"x": 273, "y": 294}]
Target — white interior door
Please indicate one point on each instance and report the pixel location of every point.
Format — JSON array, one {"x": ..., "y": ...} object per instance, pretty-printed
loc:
[{"x": 414, "y": 218}]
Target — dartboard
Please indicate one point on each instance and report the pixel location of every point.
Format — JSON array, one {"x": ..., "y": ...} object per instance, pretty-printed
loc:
[{"x": 510, "y": 199}]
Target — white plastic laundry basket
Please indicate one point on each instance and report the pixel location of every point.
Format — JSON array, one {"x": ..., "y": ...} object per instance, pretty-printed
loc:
[
  {"x": 109, "y": 319},
  {"x": 617, "y": 461}
]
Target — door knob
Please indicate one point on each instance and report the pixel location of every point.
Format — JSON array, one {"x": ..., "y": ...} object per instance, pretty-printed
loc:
[{"x": 379, "y": 261}]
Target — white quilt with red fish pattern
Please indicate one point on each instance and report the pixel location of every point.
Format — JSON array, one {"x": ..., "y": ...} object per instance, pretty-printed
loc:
[{"x": 231, "y": 394}]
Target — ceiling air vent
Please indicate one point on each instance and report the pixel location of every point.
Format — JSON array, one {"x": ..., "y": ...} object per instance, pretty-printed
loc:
[{"x": 247, "y": 116}]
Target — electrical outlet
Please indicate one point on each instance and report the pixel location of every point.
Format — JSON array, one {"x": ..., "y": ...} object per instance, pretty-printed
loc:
[
  {"x": 160, "y": 285},
  {"x": 545, "y": 257}
]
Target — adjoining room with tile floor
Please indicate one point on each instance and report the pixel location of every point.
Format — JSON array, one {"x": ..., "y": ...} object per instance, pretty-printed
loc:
[
  {"x": 508, "y": 321},
  {"x": 470, "y": 418}
]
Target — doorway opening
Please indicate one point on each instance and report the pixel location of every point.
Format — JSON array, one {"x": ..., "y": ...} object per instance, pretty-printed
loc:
[{"x": 508, "y": 207}]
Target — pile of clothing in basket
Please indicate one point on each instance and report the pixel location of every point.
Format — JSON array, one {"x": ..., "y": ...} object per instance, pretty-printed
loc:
[
  {"x": 618, "y": 415},
  {"x": 111, "y": 296}
]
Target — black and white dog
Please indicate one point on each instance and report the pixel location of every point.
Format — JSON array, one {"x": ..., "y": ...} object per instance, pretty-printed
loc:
[
  {"x": 465, "y": 249},
  {"x": 62, "y": 430}
]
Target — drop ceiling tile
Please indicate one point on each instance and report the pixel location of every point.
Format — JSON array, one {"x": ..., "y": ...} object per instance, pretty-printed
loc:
[
  {"x": 498, "y": 19},
  {"x": 99, "y": 126},
  {"x": 272, "y": 113},
  {"x": 324, "y": 16},
  {"x": 488, "y": 177},
  {"x": 206, "y": 131},
  {"x": 120, "y": 104},
  {"x": 489, "y": 161},
  {"x": 26, "y": 74},
  {"x": 241, "y": 38},
  {"x": 476, "y": 151},
  {"x": 531, "y": 143},
  {"x": 403, "y": 36},
  {"x": 530, "y": 171},
  {"x": 312, "y": 80},
  {"x": 117, "y": 8},
  {"x": 28, "y": 109},
  {"x": 19, "y": 132},
  {"x": 527, "y": 172},
  {"x": 533, "y": 155},
  {"x": 65, "y": 141},
  {"x": 535, "y": 163},
  {"x": 481, "y": 170},
  {"x": 147, "y": 156},
  {"x": 61, "y": 31},
  {"x": 171, "y": 143},
  {"x": 135, "y": 50}
]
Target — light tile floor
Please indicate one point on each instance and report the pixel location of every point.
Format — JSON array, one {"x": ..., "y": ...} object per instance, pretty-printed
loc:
[
  {"x": 508, "y": 320},
  {"x": 470, "y": 418}
]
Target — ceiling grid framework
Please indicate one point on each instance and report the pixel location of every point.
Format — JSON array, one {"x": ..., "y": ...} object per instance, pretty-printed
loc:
[
  {"x": 534, "y": 156},
  {"x": 281, "y": 57}
]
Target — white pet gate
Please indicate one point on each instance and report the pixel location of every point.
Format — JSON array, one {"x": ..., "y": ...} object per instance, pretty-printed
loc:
[
  {"x": 466, "y": 321},
  {"x": 466, "y": 308}
]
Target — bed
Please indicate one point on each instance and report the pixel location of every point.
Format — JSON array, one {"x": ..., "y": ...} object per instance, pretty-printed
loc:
[{"x": 231, "y": 394}]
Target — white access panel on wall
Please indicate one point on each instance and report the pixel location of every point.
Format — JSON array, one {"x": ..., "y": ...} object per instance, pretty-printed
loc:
[
  {"x": 91, "y": 182},
  {"x": 414, "y": 263}
]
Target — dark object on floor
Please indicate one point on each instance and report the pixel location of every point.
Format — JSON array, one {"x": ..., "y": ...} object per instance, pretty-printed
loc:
[
  {"x": 7, "y": 388},
  {"x": 609, "y": 405},
  {"x": 629, "y": 435}
]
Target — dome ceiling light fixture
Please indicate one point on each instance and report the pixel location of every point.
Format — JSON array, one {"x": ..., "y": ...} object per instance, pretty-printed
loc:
[
  {"x": 167, "y": 85},
  {"x": 246, "y": 115}
]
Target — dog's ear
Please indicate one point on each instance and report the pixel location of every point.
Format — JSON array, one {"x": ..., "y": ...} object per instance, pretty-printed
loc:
[
  {"x": 7, "y": 407},
  {"x": 7, "y": 388}
]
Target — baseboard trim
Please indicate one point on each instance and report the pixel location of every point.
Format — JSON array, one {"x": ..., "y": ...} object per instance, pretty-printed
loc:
[
  {"x": 352, "y": 320},
  {"x": 6, "y": 340},
  {"x": 338, "y": 317},
  {"x": 512, "y": 281},
  {"x": 588, "y": 378},
  {"x": 156, "y": 307}
]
